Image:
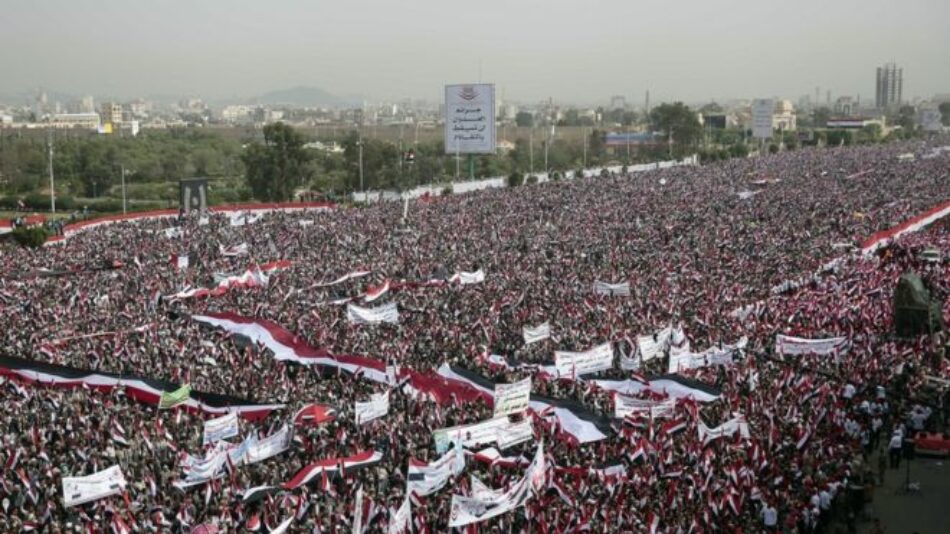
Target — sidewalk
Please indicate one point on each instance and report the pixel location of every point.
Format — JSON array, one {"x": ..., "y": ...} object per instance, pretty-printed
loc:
[{"x": 926, "y": 511}]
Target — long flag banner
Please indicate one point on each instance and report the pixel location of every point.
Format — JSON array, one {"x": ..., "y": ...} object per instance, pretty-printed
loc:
[
  {"x": 170, "y": 399},
  {"x": 387, "y": 313},
  {"x": 427, "y": 478},
  {"x": 254, "y": 276},
  {"x": 141, "y": 389},
  {"x": 536, "y": 333},
  {"x": 488, "y": 504},
  {"x": 576, "y": 420},
  {"x": 794, "y": 346},
  {"x": 340, "y": 280},
  {"x": 105, "y": 483},
  {"x": 334, "y": 465},
  {"x": 286, "y": 346},
  {"x": 675, "y": 386},
  {"x": 220, "y": 428},
  {"x": 615, "y": 290},
  {"x": 376, "y": 407},
  {"x": 599, "y": 358},
  {"x": 512, "y": 398}
]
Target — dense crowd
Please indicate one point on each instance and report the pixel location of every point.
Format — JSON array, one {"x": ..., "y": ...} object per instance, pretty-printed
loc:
[{"x": 695, "y": 244}]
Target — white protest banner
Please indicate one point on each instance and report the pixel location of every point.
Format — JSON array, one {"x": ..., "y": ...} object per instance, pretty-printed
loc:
[
  {"x": 201, "y": 471},
  {"x": 387, "y": 313},
  {"x": 599, "y": 358},
  {"x": 469, "y": 278},
  {"x": 480, "y": 433},
  {"x": 272, "y": 445},
  {"x": 793, "y": 346},
  {"x": 512, "y": 398},
  {"x": 537, "y": 333},
  {"x": 616, "y": 290},
  {"x": 80, "y": 490},
  {"x": 220, "y": 428},
  {"x": 400, "y": 522},
  {"x": 730, "y": 427},
  {"x": 468, "y": 510},
  {"x": 652, "y": 346},
  {"x": 625, "y": 406},
  {"x": 516, "y": 433},
  {"x": 426, "y": 479},
  {"x": 377, "y": 407}
]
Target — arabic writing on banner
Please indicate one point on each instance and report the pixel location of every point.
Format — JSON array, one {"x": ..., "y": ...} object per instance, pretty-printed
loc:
[
  {"x": 488, "y": 503},
  {"x": 625, "y": 406},
  {"x": 387, "y": 313},
  {"x": 220, "y": 428},
  {"x": 599, "y": 358},
  {"x": 793, "y": 346},
  {"x": 537, "y": 333},
  {"x": 80, "y": 490},
  {"x": 512, "y": 398},
  {"x": 480, "y": 433},
  {"x": 470, "y": 119}
]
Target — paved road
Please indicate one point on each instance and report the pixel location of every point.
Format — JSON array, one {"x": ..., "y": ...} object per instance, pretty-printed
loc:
[{"x": 924, "y": 512}]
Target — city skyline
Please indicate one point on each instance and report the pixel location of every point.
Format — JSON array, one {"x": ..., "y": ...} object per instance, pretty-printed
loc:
[{"x": 531, "y": 51}]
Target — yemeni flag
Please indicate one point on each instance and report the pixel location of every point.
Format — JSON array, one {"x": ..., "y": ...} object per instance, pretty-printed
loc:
[
  {"x": 576, "y": 421},
  {"x": 287, "y": 346},
  {"x": 180, "y": 261},
  {"x": 334, "y": 465},
  {"x": 142, "y": 389},
  {"x": 314, "y": 414},
  {"x": 374, "y": 292},
  {"x": 170, "y": 399},
  {"x": 257, "y": 493}
]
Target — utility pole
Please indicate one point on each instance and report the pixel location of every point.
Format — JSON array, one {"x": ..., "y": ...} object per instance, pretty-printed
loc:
[
  {"x": 531, "y": 149},
  {"x": 585, "y": 147},
  {"x": 52, "y": 180},
  {"x": 123, "y": 191},
  {"x": 360, "y": 143}
]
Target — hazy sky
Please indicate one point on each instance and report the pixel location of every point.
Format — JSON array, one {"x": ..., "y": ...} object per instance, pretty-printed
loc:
[{"x": 572, "y": 50}]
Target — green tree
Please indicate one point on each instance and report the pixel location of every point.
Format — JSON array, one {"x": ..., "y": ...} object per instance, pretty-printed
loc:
[
  {"x": 945, "y": 113},
  {"x": 906, "y": 118},
  {"x": 524, "y": 119},
  {"x": 820, "y": 117},
  {"x": 275, "y": 168},
  {"x": 678, "y": 122}
]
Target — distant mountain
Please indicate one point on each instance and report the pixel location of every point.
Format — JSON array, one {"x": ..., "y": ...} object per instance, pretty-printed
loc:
[{"x": 302, "y": 96}]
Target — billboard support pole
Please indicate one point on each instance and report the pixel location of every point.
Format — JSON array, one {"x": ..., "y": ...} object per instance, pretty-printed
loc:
[{"x": 471, "y": 166}]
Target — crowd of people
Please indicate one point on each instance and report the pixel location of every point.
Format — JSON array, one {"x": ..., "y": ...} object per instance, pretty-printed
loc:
[{"x": 709, "y": 249}]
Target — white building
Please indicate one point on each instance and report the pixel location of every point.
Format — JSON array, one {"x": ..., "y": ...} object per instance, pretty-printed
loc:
[{"x": 88, "y": 121}]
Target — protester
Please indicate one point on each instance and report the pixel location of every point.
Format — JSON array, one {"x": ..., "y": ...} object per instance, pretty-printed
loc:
[{"x": 695, "y": 254}]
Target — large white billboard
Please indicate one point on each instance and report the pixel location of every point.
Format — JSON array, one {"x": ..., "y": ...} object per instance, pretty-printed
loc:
[
  {"x": 470, "y": 119},
  {"x": 762, "y": 111}
]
